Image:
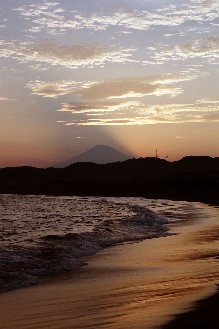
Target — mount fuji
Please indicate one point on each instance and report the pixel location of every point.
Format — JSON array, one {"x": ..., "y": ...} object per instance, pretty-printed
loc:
[{"x": 98, "y": 154}]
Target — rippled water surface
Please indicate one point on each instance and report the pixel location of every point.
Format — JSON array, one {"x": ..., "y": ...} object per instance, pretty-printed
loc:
[{"x": 40, "y": 235}]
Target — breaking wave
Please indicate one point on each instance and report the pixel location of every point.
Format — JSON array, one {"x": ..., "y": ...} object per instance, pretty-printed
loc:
[{"x": 42, "y": 235}]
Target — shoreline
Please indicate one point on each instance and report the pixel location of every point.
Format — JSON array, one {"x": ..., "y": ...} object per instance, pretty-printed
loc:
[
  {"x": 119, "y": 284},
  {"x": 203, "y": 314},
  {"x": 61, "y": 251}
]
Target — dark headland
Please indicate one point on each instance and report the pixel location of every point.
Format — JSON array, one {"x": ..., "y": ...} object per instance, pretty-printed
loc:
[{"x": 193, "y": 178}]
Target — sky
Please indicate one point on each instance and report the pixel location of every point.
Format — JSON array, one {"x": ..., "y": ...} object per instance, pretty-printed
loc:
[{"x": 138, "y": 75}]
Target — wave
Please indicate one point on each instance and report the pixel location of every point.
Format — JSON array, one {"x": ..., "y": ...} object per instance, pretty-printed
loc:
[{"x": 44, "y": 235}]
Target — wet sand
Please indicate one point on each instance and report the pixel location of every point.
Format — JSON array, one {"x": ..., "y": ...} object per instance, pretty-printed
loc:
[
  {"x": 140, "y": 285},
  {"x": 204, "y": 315}
]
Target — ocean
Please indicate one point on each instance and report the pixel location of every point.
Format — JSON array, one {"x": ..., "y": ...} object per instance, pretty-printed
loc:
[{"x": 42, "y": 235}]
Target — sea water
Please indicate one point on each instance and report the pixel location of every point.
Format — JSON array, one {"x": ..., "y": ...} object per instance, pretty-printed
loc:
[{"x": 42, "y": 235}]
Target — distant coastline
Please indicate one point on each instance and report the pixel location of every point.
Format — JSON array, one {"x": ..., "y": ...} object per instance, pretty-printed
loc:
[{"x": 193, "y": 178}]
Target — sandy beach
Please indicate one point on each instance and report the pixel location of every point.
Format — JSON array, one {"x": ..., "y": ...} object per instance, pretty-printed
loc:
[
  {"x": 204, "y": 315},
  {"x": 139, "y": 285}
]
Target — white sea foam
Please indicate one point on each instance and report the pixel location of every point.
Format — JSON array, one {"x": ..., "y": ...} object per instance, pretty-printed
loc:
[{"x": 41, "y": 235}]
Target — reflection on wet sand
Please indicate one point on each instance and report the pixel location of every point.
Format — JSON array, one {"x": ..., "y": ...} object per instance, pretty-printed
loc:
[{"x": 140, "y": 285}]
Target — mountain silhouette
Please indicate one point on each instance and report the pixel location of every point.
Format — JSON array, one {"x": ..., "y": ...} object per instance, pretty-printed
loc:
[{"x": 100, "y": 154}]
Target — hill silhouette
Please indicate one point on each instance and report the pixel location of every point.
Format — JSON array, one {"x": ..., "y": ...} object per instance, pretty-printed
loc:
[
  {"x": 191, "y": 178},
  {"x": 98, "y": 154}
]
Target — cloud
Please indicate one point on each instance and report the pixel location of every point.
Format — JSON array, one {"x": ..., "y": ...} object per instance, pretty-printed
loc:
[
  {"x": 205, "y": 49},
  {"x": 3, "y": 98},
  {"x": 207, "y": 101},
  {"x": 138, "y": 113},
  {"x": 101, "y": 108},
  {"x": 136, "y": 87},
  {"x": 2, "y": 26},
  {"x": 114, "y": 102},
  {"x": 195, "y": 112},
  {"x": 133, "y": 20},
  {"x": 80, "y": 137},
  {"x": 49, "y": 89},
  {"x": 54, "y": 19},
  {"x": 3, "y": 18},
  {"x": 214, "y": 116},
  {"x": 48, "y": 17},
  {"x": 103, "y": 122},
  {"x": 54, "y": 89},
  {"x": 69, "y": 56},
  {"x": 117, "y": 89}
]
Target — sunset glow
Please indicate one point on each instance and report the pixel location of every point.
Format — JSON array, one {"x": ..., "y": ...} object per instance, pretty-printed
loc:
[{"x": 136, "y": 75}]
